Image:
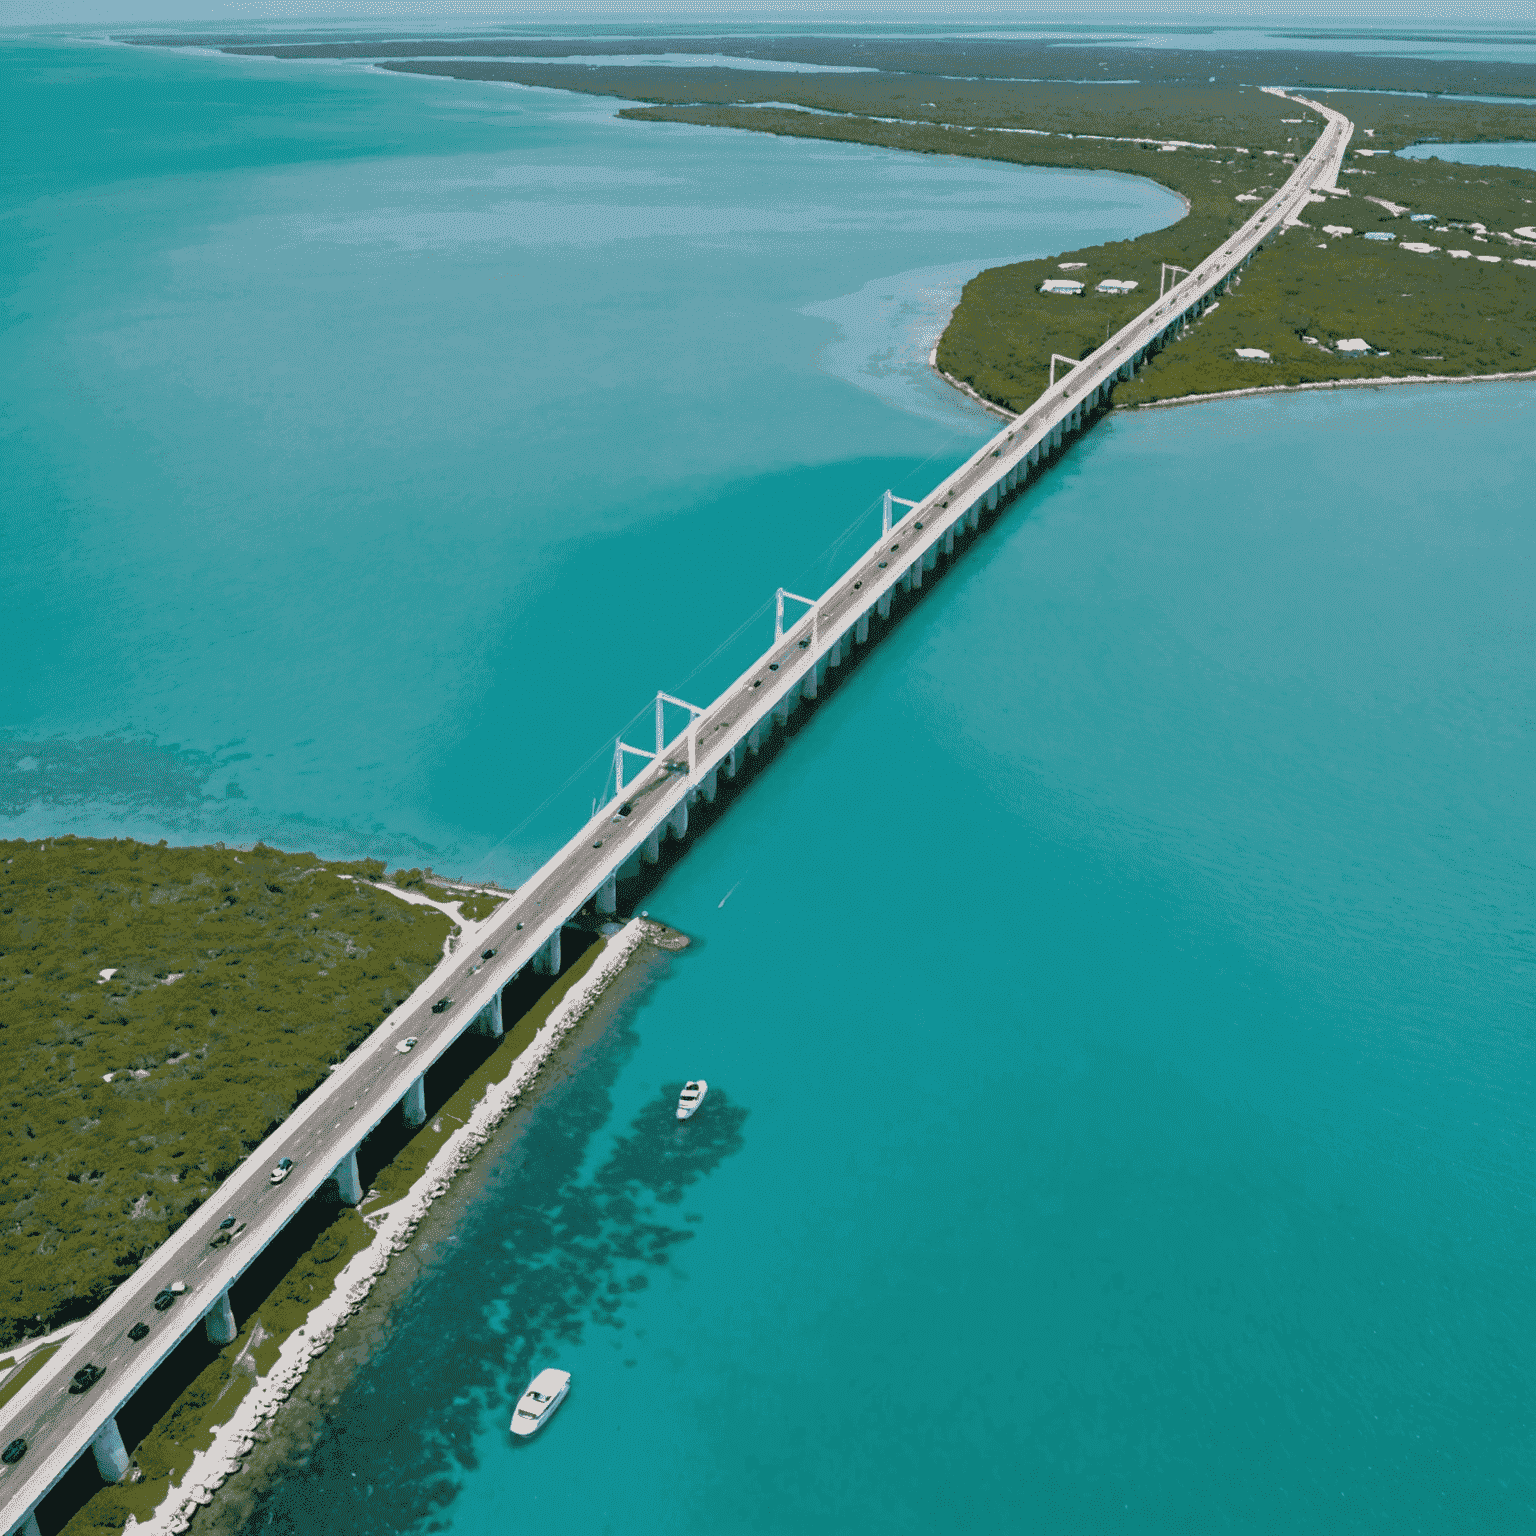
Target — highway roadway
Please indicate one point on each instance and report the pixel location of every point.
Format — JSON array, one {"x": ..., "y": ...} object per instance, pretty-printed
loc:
[{"x": 59, "y": 1426}]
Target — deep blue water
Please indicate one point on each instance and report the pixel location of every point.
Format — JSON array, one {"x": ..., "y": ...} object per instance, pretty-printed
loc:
[{"x": 1118, "y": 996}]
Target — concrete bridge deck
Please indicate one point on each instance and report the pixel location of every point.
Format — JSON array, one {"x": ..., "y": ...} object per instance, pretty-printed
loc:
[{"x": 323, "y": 1133}]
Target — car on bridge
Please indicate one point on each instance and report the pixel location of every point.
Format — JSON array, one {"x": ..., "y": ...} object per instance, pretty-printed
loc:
[{"x": 283, "y": 1169}]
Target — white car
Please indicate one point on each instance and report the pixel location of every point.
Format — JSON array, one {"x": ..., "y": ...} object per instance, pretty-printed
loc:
[
  {"x": 407, "y": 1045},
  {"x": 690, "y": 1098},
  {"x": 536, "y": 1407},
  {"x": 283, "y": 1169}
]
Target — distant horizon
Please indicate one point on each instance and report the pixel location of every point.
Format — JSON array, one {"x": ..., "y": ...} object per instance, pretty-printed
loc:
[{"x": 1463, "y": 19}]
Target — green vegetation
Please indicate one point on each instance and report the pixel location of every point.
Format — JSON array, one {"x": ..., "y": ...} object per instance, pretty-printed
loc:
[
  {"x": 1422, "y": 313},
  {"x": 474, "y": 906},
  {"x": 237, "y": 979},
  {"x": 1190, "y": 119}
]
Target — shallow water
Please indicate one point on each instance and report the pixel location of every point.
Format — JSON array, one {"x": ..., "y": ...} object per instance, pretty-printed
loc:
[
  {"x": 1520, "y": 154},
  {"x": 1116, "y": 998},
  {"x": 403, "y": 437}
]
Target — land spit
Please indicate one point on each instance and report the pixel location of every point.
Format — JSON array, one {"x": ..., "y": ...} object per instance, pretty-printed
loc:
[{"x": 593, "y": 999}]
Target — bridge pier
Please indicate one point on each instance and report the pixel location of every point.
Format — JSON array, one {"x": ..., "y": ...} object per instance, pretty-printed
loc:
[
  {"x": 650, "y": 849},
  {"x": 413, "y": 1107},
  {"x": 219, "y": 1321},
  {"x": 973, "y": 517},
  {"x": 28, "y": 1527},
  {"x": 781, "y": 712},
  {"x": 906, "y": 580},
  {"x": 488, "y": 1021},
  {"x": 930, "y": 558},
  {"x": 810, "y": 683},
  {"x": 677, "y": 822},
  {"x": 861, "y": 629},
  {"x": 709, "y": 784},
  {"x": 730, "y": 761},
  {"x": 755, "y": 739},
  {"x": 349, "y": 1182},
  {"x": 883, "y": 605},
  {"x": 110, "y": 1453},
  {"x": 547, "y": 961},
  {"x": 916, "y": 570},
  {"x": 606, "y": 899},
  {"x": 949, "y": 540},
  {"x": 1033, "y": 456},
  {"x": 991, "y": 498}
]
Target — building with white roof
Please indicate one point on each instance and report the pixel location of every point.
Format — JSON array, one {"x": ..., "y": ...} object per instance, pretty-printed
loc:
[
  {"x": 1118, "y": 285},
  {"x": 1063, "y": 285}
]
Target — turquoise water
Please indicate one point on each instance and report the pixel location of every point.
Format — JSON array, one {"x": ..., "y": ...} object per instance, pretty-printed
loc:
[
  {"x": 401, "y": 438},
  {"x": 1118, "y": 997},
  {"x": 1519, "y": 154}
]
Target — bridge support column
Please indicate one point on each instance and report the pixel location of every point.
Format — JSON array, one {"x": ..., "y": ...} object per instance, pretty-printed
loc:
[
  {"x": 677, "y": 822},
  {"x": 1056, "y": 437},
  {"x": 219, "y": 1321},
  {"x": 973, "y": 517},
  {"x": 731, "y": 760},
  {"x": 883, "y": 605},
  {"x": 930, "y": 558},
  {"x": 809, "y": 683},
  {"x": 709, "y": 784},
  {"x": 992, "y": 498},
  {"x": 906, "y": 580},
  {"x": 949, "y": 540},
  {"x": 916, "y": 571},
  {"x": 781, "y": 712},
  {"x": 110, "y": 1453},
  {"x": 755, "y": 739},
  {"x": 413, "y": 1107},
  {"x": 861, "y": 629},
  {"x": 28, "y": 1527},
  {"x": 349, "y": 1182},
  {"x": 488, "y": 1021},
  {"x": 1034, "y": 455},
  {"x": 835, "y": 655},
  {"x": 607, "y": 898},
  {"x": 547, "y": 961},
  {"x": 650, "y": 849}
]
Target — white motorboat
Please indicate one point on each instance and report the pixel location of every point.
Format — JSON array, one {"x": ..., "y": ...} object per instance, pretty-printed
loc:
[
  {"x": 690, "y": 1098},
  {"x": 537, "y": 1405}
]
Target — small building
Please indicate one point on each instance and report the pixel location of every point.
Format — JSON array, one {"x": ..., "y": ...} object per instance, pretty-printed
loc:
[
  {"x": 1419, "y": 247},
  {"x": 1354, "y": 346},
  {"x": 1459, "y": 255},
  {"x": 1337, "y": 230},
  {"x": 1253, "y": 354},
  {"x": 1063, "y": 285},
  {"x": 1424, "y": 218},
  {"x": 1380, "y": 234},
  {"x": 1118, "y": 285},
  {"x": 1070, "y": 266}
]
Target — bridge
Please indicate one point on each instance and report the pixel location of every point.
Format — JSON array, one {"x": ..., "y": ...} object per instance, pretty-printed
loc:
[{"x": 677, "y": 772}]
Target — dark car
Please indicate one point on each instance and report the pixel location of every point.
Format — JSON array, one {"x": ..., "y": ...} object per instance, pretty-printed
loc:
[
  {"x": 226, "y": 1224},
  {"x": 487, "y": 954},
  {"x": 138, "y": 1331},
  {"x": 442, "y": 1005},
  {"x": 164, "y": 1299},
  {"x": 14, "y": 1452},
  {"x": 85, "y": 1378}
]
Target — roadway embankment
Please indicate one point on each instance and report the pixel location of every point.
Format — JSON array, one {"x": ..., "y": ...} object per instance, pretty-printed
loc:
[{"x": 216, "y": 1415}]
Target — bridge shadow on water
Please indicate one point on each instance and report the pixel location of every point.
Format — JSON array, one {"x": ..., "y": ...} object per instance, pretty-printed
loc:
[{"x": 547, "y": 1249}]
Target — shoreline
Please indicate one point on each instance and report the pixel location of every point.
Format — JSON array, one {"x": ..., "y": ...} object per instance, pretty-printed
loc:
[
  {"x": 965, "y": 389},
  {"x": 1291, "y": 389},
  {"x": 393, "y": 1227}
]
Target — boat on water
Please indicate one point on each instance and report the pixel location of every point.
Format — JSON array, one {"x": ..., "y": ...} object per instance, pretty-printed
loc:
[
  {"x": 691, "y": 1097},
  {"x": 537, "y": 1405}
]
